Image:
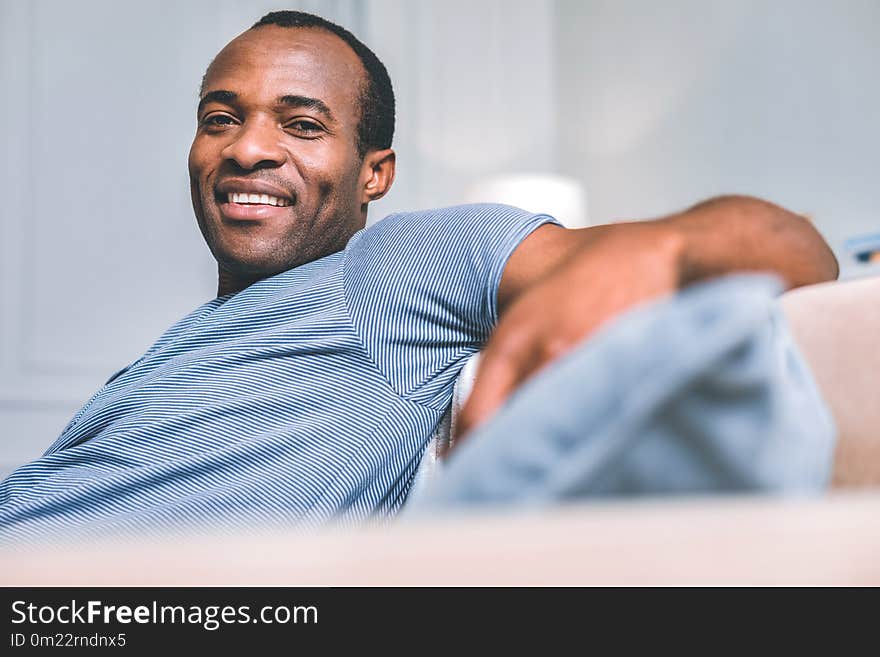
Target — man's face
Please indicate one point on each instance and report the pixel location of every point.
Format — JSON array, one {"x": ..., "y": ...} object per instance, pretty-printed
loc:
[{"x": 275, "y": 173}]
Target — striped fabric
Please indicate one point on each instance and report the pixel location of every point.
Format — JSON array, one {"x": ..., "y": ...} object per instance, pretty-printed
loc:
[{"x": 308, "y": 396}]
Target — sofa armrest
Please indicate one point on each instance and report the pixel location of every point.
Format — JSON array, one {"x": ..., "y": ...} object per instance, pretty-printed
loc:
[{"x": 837, "y": 327}]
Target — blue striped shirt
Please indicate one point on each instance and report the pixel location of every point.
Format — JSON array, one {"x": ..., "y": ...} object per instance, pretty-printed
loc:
[{"x": 310, "y": 395}]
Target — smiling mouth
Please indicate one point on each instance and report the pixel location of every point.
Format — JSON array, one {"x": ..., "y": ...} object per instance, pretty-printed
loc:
[
  {"x": 244, "y": 198},
  {"x": 250, "y": 207}
]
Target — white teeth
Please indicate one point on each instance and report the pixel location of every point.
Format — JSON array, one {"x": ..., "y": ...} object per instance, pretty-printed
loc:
[{"x": 261, "y": 199}]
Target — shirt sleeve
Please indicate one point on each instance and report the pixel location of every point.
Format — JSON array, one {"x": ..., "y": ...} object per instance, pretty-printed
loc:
[{"x": 421, "y": 289}]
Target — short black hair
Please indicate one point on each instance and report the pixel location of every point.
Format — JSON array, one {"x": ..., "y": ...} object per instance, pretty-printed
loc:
[{"x": 376, "y": 125}]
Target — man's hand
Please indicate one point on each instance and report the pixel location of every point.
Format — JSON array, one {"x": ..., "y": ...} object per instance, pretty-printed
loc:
[{"x": 561, "y": 285}]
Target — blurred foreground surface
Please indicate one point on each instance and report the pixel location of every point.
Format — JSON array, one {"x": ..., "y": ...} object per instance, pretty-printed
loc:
[{"x": 723, "y": 541}]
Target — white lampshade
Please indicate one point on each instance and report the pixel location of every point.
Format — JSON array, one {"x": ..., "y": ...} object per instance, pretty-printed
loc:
[{"x": 559, "y": 196}]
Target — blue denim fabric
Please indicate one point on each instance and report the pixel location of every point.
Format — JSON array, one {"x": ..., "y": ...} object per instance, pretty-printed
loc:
[{"x": 704, "y": 392}]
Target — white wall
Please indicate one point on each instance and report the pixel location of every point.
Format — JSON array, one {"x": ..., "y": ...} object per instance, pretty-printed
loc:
[
  {"x": 664, "y": 103},
  {"x": 476, "y": 92}
]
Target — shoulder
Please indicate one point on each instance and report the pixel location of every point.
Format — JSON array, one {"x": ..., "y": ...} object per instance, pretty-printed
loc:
[
  {"x": 480, "y": 227},
  {"x": 447, "y": 250},
  {"x": 464, "y": 217}
]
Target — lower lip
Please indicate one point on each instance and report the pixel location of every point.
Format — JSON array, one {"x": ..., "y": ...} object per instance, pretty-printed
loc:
[{"x": 252, "y": 212}]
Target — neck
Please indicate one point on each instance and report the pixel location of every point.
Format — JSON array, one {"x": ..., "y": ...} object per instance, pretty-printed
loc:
[{"x": 229, "y": 283}]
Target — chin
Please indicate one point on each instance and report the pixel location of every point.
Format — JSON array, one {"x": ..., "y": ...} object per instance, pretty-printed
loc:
[
  {"x": 246, "y": 263},
  {"x": 252, "y": 267}
]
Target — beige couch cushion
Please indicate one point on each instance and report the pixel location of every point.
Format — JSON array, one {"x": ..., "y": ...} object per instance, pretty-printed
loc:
[{"x": 837, "y": 327}]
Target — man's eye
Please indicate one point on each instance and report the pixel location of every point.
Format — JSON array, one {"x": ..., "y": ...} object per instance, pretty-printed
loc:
[
  {"x": 305, "y": 127},
  {"x": 218, "y": 120}
]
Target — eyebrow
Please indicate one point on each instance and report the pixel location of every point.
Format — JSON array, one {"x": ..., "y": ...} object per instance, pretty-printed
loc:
[
  {"x": 309, "y": 103},
  {"x": 291, "y": 100},
  {"x": 218, "y": 96}
]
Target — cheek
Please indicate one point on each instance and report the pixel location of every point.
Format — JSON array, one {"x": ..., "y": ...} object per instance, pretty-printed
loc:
[
  {"x": 331, "y": 159},
  {"x": 198, "y": 162},
  {"x": 348, "y": 174},
  {"x": 195, "y": 164},
  {"x": 192, "y": 161},
  {"x": 326, "y": 185},
  {"x": 329, "y": 176}
]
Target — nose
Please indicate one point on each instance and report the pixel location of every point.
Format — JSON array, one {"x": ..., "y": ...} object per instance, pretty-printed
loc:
[{"x": 256, "y": 146}]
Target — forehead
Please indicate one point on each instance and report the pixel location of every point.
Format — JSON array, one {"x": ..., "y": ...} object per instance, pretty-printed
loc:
[{"x": 264, "y": 63}]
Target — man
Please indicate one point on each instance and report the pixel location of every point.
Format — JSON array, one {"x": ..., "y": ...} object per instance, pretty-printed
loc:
[{"x": 308, "y": 388}]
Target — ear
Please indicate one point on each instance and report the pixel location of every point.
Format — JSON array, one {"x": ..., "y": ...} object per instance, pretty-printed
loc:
[{"x": 377, "y": 174}]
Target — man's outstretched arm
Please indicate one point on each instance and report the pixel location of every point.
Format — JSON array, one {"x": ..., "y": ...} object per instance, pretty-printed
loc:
[{"x": 560, "y": 285}]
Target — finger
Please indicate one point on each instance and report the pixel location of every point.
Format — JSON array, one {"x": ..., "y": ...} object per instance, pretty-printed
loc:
[
  {"x": 498, "y": 374},
  {"x": 483, "y": 402}
]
